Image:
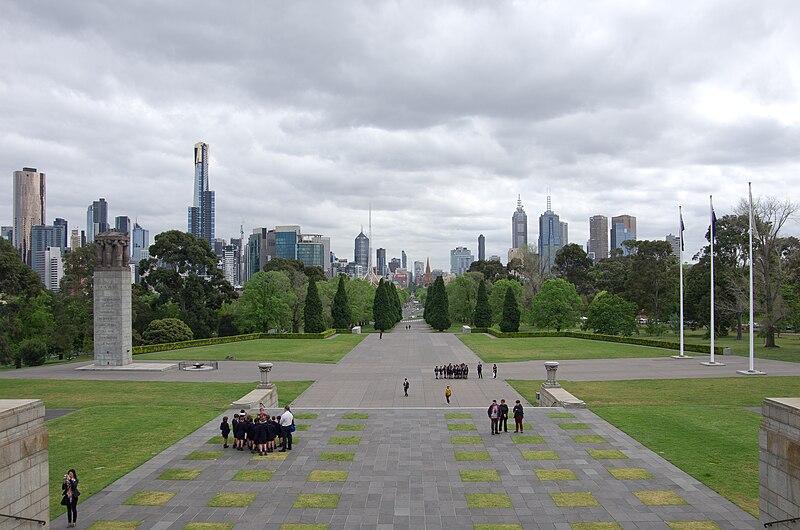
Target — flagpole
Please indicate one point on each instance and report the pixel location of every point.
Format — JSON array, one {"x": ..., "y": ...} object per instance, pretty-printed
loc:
[
  {"x": 711, "y": 206},
  {"x": 752, "y": 315},
  {"x": 680, "y": 266}
]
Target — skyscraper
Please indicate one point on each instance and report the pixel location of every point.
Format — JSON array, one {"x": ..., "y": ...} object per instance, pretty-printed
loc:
[
  {"x": 675, "y": 242},
  {"x": 481, "y": 248},
  {"x": 460, "y": 260},
  {"x": 44, "y": 238},
  {"x": 598, "y": 237},
  {"x": 122, "y": 223},
  {"x": 623, "y": 228},
  {"x": 29, "y": 208},
  {"x": 403, "y": 259},
  {"x": 361, "y": 255},
  {"x": 201, "y": 213},
  {"x": 419, "y": 271},
  {"x": 564, "y": 233},
  {"x": 286, "y": 239},
  {"x": 381, "y": 262},
  {"x": 519, "y": 226},
  {"x": 7, "y": 233},
  {"x": 140, "y": 248},
  {"x": 550, "y": 233},
  {"x": 96, "y": 219},
  {"x": 75, "y": 239}
]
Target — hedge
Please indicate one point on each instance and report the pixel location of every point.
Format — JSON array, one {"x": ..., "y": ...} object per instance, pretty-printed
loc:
[
  {"x": 669, "y": 345},
  {"x": 151, "y": 348},
  {"x": 344, "y": 331}
]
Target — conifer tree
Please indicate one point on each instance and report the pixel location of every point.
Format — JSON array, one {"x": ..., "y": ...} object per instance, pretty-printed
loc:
[
  {"x": 340, "y": 309},
  {"x": 312, "y": 312},
  {"x": 511, "y": 313},
  {"x": 483, "y": 312},
  {"x": 382, "y": 310},
  {"x": 440, "y": 311}
]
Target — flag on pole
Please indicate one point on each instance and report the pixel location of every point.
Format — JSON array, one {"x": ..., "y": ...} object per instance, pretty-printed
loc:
[
  {"x": 752, "y": 217},
  {"x": 713, "y": 221},
  {"x": 683, "y": 227}
]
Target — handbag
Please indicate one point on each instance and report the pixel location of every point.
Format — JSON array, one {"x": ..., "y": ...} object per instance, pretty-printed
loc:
[
  {"x": 294, "y": 427},
  {"x": 64, "y": 500}
]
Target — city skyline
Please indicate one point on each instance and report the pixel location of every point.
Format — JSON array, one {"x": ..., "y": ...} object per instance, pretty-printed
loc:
[{"x": 608, "y": 126}]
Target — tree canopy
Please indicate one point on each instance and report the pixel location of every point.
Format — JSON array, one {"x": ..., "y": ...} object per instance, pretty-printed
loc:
[{"x": 557, "y": 306}]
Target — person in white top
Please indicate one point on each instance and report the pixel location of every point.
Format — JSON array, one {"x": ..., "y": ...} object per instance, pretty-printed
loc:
[{"x": 287, "y": 419}]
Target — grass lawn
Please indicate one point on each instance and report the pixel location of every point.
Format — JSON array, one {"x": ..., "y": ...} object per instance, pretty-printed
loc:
[
  {"x": 327, "y": 351},
  {"x": 120, "y": 425},
  {"x": 699, "y": 425},
  {"x": 492, "y": 350},
  {"x": 788, "y": 344}
]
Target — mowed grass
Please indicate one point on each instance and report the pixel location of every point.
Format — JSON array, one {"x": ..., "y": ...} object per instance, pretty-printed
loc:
[
  {"x": 103, "y": 439},
  {"x": 788, "y": 344},
  {"x": 492, "y": 350},
  {"x": 699, "y": 425},
  {"x": 326, "y": 351}
]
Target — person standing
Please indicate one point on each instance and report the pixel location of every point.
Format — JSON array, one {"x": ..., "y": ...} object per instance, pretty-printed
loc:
[
  {"x": 405, "y": 387},
  {"x": 494, "y": 415},
  {"x": 447, "y": 393},
  {"x": 480, "y": 370},
  {"x": 287, "y": 419},
  {"x": 70, "y": 500},
  {"x": 519, "y": 414},
  {"x": 225, "y": 429},
  {"x": 503, "y": 416},
  {"x": 494, "y": 371}
]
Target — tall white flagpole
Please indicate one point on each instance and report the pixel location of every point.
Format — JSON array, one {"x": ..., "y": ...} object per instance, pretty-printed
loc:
[
  {"x": 752, "y": 312},
  {"x": 680, "y": 266},
  {"x": 711, "y": 205}
]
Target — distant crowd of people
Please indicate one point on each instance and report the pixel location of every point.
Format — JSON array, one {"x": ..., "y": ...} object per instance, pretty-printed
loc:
[
  {"x": 451, "y": 371},
  {"x": 259, "y": 433}
]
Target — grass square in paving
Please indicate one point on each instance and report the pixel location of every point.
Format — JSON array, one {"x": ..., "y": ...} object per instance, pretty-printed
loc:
[
  {"x": 469, "y": 456},
  {"x": 629, "y": 473},
  {"x": 253, "y": 475},
  {"x": 540, "y": 455},
  {"x": 458, "y": 416},
  {"x": 305, "y": 416},
  {"x": 526, "y": 439},
  {"x": 114, "y": 524},
  {"x": 479, "y": 475},
  {"x": 461, "y": 427},
  {"x": 465, "y": 440},
  {"x": 556, "y": 415},
  {"x": 179, "y": 473},
  {"x": 596, "y": 526},
  {"x": 324, "y": 475},
  {"x": 659, "y": 498},
  {"x": 301, "y": 426},
  {"x": 693, "y": 525},
  {"x": 572, "y": 500},
  {"x": 573, "y": 426},
  {"x": 270, "y": 457},
  {"x": 555, "y": 474},
  {"x": 344, "y": 440},
  {"x": 498, "y": 527},
  {"x": 488, "y": 500},
  {"x": 350, "y": 427},
  {"x": 333, "y": 456},
  {"x": 355, "y": 416},
  {"x": 303, "y": 526},
  {"x": 606, "y": 454},
  {"x": 216, "y": 440},
  {"x": 150, "y": 498},
  {"x": 316, "y": 500},
  {"x": 231, "y": 500},
  {"x": 203, "y": 455},
  {"x": 208, "y": 526},
  {"x": 589, "y": 439}
]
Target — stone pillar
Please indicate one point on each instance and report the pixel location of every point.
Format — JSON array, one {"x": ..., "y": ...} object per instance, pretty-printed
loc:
[
  {"x": 23, "y": 463},
  {"x": 551, "y": 367},
  {"x": 112, "y": 301},
  {"x": 265, "y": 369},
  {"x": 779, "y": 460}
]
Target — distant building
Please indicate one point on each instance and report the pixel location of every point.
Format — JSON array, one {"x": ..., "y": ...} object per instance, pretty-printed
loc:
[
  {"x": 419, "y": 271},
  {"x": 314, "y": 251},
  {"x": 550, "y": 237},
  {"x": 96, "y": 219},
  {"x": 404, "y": 259},
  {"x": 29, "y": 195},
  {"x": 44, "y": 238},
  {"x": 201, "y": 212},
  {"x": 394, "y": 264},
  {"x": 286, "y": 239},
  {"x": 564, "y": 233},
  {"x": 623, "y": 228},
  {"x": 481, "y": 248},
  {"x": 598, "y": 237},
  {"x": 7, "y": 233},
  {"x": 140, "y": 248},
  {"x": 519, "y": 226},
  {"x": 361, "y": 252},
  {"x": 50, "y": 266},
  {"x": 230, "y": 264},
  {"x": 381, "y": 269},
  {"x": 494, "y": 257},
  {"x": 460, "y": 260},
  {"x": 675, "y": 242},
  {"x": 75, "y": 239},
  {"x": 401, "y": 277}
]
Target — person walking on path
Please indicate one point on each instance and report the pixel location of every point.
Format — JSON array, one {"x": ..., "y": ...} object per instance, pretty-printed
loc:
[
  {"x": 503, "y": 416},
  {"x": 70, "y": 500},
  {"x": 405, "y": 387},
  {"x": 480, "y": 370},
  {"x": 381, "y": 335},
  {"x": 287, "y": 419},
  {"x": 447, "y": 393},
  {"x": 494, "y": 371},
  {"x": 519, "y": 414},
  {"x": 494, "y": 415},
  {"x": 225, "y": 429}
]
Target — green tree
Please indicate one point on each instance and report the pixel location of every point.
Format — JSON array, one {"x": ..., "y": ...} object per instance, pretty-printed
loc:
[
  {"x": 557, "y": 306},
  {"x": 498, "y": 295},
  {"x": 266, "y": 303},
  {"x": 361, "y": 295},
  {"x": 511, "y": 313},
  {"x": 340, "y": 310},
  {"x": 492, "y": 270},
  {"x": 483, "y": 313},
  {"x": 33, "y": 351},
  {"x": 382, "y": 308},
  {"x": 167, "y": 330},
  {"x": 652, "y": 285},
  {"x": 611, "y": 315},
  {"x": 611, "y": 274},
  {"x": 573, "y": 265},
  {"x": 439, "y": 313},
  {"x": 312, "y": 311},
  {"x": 462, "y": 294}
]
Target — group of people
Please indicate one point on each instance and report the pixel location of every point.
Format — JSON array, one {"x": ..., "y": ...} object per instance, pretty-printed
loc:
[
  {"x": 451, "y": 371},
  {"x": 259, "y": 433},
  {"x": 498, "y": 416}
]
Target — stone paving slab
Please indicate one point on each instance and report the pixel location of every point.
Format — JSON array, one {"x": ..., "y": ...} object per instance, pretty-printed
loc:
[{"x": 405, "y": 474}]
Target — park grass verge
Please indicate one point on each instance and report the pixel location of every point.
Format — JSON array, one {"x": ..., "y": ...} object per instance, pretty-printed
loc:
[
  {"x": 125, "y": 409},
  {"x": 294, "y": 350}
]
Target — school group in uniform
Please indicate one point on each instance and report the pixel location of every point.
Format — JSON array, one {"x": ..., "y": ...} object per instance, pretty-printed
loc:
[
  {"x": 451, "y": 371},
  {"x": 259, "y": 434}
]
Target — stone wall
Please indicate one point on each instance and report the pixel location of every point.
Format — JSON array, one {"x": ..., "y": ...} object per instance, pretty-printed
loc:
[
  {"x": 779, "y": 462},
  {"x": 23, "y": 463},
  {"x": 558, "y": 397}
]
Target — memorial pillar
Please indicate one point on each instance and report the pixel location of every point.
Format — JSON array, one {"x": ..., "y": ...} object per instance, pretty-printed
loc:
[{"x": 112, "y": 301}]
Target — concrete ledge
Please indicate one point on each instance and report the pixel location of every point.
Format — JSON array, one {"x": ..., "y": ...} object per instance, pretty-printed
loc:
[
  {"x": 558, "y": 397},
  {"x": 266, "y": 397},
  {"x": 133, "y": 367}
]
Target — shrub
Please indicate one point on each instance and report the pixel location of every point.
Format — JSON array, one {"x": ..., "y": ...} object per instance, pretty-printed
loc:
[
  {"x": 167, "y": 330},
  {"x": 33, "y": 352}
]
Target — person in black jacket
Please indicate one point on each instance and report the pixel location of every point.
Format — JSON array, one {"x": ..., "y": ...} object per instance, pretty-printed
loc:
[
  {"x": 70, "y": 500},
  {"x": 225, "y": 429},
  {"x": 519, "y": 414},
  {"x": 503, "y": 416}
]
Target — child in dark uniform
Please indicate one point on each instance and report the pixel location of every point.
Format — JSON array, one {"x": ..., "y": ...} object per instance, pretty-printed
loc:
[
  {"x": 236, "y": 428},
  {"x": 226, "y": 430},
  {"x": 271, "y": 430}
]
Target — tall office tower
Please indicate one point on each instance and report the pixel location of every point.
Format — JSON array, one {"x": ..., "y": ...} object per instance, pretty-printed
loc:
[
  {"x": 239, "y": 243},
  {"x": 381, "y": 269},
  {"x": 62, "y": 233},
  {"x": 403, "y": 259},
  {"x": 96, "y": 219},
  {"x": 29, "y": 208},
  {"x": 460, "y": 260},
  {"x": 314, "y": 251},
  {"x": 564, "y": 233},
  {"x": 419, "y": 270},
  {"x": 286, "y": 239},
  {"x": 230, "y": 264},
  {"x": 481, "y": 248},
  {"x": 7, "y": 233},
  {"x": 361, "y": 255},
  {"x": 122, "y": 224},
  {"x": 550, "y": 233},
  {"x": 394, "y": 264},
  {"x": 216, "y": 247},
  {"x": 623, "y": 228},
  {"x": 52, "y": 267},
  {"x": 253, "y": 254},
  {"x": 140, "y": 248},
  {"x": 675, "y": 242},
  {"x": 519, "y": 226},
  {"x": 75, "y": 239},
  {"x": 201, "y": 213},
  {"x": 598, "y": 237},
  {"x": 43, "y": 239}
]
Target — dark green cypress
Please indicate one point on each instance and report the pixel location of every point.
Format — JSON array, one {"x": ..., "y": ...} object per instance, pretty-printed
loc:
[
  {"x": 483, "y": 312},
  {"x": 381, "y": 308},
  {"x": 312, "y": 312},
  {"x": 340, "y": 310},
  {"x": 510, "y": 321},
  {"x": 440, "y": 311}
]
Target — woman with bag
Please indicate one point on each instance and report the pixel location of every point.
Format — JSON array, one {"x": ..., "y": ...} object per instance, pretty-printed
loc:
[{"x": 70, "y": 500}]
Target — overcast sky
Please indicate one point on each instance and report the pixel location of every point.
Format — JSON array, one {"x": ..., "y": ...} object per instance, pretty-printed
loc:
[{"x": 436, "y": 113}]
